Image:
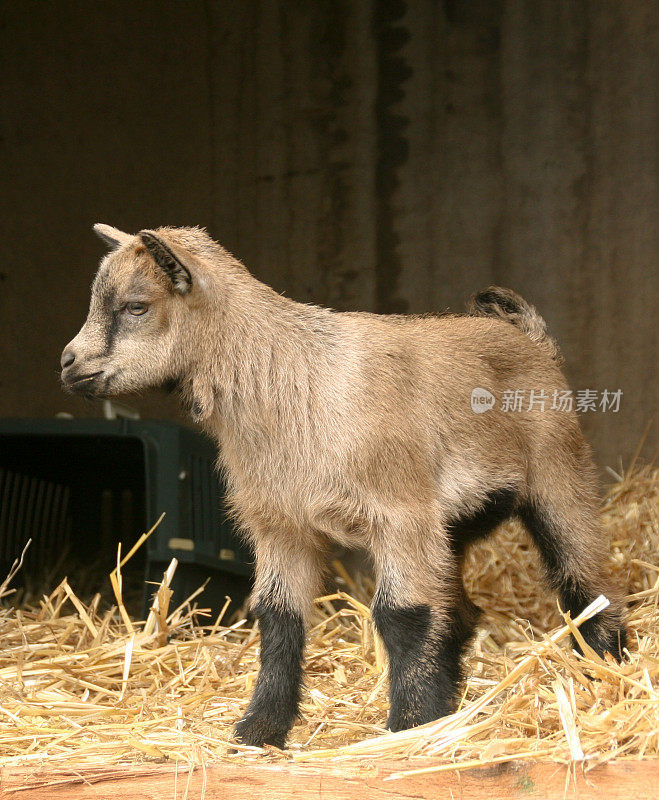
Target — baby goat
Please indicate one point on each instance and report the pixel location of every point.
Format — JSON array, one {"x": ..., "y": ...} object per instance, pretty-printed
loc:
[{"x": 356, "y": 429}]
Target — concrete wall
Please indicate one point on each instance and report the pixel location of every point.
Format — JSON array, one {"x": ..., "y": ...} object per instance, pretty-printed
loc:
[{"x": 389, "y": 155}]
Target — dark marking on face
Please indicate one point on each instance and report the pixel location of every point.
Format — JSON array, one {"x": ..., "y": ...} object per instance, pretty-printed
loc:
[
  {"x": 138, "y": 287},
  {"x": 274, "y": 704},
  {"x": 111, "y": 315}
]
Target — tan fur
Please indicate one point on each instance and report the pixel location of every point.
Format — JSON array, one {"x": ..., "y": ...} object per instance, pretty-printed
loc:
[{"x": 344, "y": 427}]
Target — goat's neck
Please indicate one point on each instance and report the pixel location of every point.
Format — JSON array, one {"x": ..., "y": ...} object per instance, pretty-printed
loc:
[{"x": 260, "y": 365}]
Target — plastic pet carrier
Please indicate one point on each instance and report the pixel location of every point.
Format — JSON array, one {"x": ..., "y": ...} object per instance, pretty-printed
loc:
[{"x": 78, "y": 487}]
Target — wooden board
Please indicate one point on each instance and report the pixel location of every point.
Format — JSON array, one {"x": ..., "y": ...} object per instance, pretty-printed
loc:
[{"x": 622, "y": 780}]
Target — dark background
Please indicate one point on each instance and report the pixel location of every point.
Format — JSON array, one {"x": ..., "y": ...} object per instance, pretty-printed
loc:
[{"x": 379, "y": 155}]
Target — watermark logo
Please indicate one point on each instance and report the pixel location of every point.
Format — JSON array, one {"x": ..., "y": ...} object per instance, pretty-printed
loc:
[
  {"x": 522, "y": 400},
  {"x": 481, "y": 400}
]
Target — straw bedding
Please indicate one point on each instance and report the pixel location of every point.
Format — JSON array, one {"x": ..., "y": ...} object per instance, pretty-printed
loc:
[{"x": 80, "y": 686}]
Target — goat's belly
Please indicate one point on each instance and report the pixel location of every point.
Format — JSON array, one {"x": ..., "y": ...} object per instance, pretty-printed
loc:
[
  {"x": 347, "y": 531},
  {"x": 312, "y": 511}
]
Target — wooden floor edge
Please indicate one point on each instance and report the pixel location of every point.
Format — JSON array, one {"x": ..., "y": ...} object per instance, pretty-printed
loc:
[{"x": 617, "y": 780}]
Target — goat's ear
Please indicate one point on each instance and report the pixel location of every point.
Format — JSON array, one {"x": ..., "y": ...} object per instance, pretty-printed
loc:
[
  {"x": 111, "y": 236},
  {"x": 170, "y": 264}
]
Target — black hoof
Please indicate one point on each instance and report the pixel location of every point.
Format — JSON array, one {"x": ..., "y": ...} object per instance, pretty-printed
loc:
[
  {"x": 612, "y": 641},
  {"x": 256, "y": 732},
  {"x": 401, "y": 719}
]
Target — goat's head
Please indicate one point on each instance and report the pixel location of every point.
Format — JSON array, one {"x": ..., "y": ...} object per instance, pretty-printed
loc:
[{"x": 140, "y": 307}]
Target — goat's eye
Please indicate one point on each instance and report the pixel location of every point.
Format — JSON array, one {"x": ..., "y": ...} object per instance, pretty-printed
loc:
[{"x": 136, "y": 309}]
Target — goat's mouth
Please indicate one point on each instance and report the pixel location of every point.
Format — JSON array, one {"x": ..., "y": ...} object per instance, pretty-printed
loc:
[{"x": 82, "y": 384}]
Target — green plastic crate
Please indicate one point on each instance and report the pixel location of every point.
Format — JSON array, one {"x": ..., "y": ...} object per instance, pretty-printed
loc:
[{"x": 85, "y": 482}]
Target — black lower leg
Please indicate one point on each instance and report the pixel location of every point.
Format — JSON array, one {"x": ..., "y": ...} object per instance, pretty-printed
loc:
[
  {"x": 274, "y": 704},
  {"x": 424, "y": 666},
  {"x": 605, "y": 632}
]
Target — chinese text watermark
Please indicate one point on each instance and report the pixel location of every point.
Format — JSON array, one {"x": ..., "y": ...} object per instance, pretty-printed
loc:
[{"x": 519, "y": 400}]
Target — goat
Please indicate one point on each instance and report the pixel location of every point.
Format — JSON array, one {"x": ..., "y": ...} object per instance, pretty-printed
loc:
[{"x": 357, "y": 429}]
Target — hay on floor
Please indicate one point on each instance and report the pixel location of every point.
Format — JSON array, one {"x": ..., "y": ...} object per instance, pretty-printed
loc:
[{"x": 82, "y": 687}]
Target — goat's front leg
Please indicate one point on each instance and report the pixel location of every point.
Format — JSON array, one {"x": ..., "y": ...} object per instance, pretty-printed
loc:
[
  {"x": 287, "y": 577},
  {"x": 425, "y": 619}
]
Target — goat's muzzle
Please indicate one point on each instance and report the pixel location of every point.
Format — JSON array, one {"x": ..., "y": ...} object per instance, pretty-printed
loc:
[
  {"x": 89, "y": 384},
  {"x": 78, "y": 378}
]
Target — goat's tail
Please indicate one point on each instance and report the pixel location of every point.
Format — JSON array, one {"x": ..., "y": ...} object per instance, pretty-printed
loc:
[{"x": 509, "y": 306}]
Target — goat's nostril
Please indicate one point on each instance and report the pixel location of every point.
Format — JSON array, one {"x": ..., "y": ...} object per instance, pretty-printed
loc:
[{"x": 68, "y": 357}]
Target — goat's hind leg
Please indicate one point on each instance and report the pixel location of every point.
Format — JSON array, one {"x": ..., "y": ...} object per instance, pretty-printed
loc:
[
  {"x": 562, "y": 520},
  {"x": 424, "y": 640}
]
